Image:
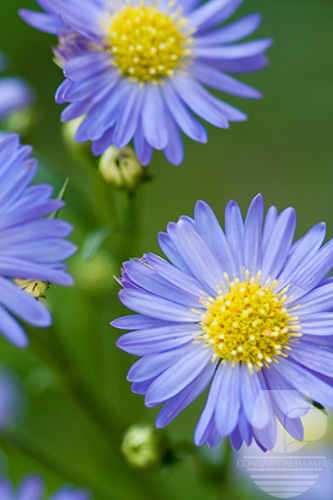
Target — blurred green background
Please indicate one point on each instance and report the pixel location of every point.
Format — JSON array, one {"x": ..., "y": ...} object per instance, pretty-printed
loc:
[{"x": 284, "y": 151}]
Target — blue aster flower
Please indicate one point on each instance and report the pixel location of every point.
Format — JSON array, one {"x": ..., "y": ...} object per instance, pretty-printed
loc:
[
  {"x": 32, "y": 247},
  {"x": 14, "y": 93},
  {"x": 245, "y": 310},
  {"x": 138, "y": 69},
  {"x": 32, "y": 487}
]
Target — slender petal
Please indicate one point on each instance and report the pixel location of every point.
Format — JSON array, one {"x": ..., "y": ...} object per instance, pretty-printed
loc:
[
  {"x": 176, "y": 404},
  {"x": 150, "y": 341},
  {"x": 156, "y": 307},
  {"x": 279, "y": 244},
  {"x": 252, "y": 243},
  {"x": 31, "y": 248},
  {"x": 178, "y": 376},
  {"x": 234, "y": 230},
  {"x": 129, "y": 89},
  {"x": 228, "y": 403}
]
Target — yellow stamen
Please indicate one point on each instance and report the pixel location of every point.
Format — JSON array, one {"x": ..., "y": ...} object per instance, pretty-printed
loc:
[
  {"x": 147, "y": 44},
  {"x": 253, "y": 321}
]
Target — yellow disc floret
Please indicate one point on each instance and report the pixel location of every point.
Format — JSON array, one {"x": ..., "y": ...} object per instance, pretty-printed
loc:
[
  {"x": 33, "y": 287},
  {"x": 248, "y": 322},
  {"x": 147, "y": 44}
]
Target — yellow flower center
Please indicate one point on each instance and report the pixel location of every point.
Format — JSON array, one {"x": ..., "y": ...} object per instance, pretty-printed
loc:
[
  {"x": 147, "y": 44},
  {"x": 248, "y": 322},
  {"x": 35, "y": 288}
]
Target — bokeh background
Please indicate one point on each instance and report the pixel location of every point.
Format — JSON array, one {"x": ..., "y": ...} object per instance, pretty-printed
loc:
[{"x": 73, "y": 375}]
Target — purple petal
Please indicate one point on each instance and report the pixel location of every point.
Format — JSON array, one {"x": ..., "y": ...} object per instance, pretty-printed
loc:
[
  {"x": 238, "y": 51},
  {"x": 177, "y": 403},
  {"x": 138, "y": 322},
  {"x": 317, "y": 324},
  {"x": 157, "y": 307},
  {"x": 211, "y": 232},
  {"x": 305, "y": 381},
  {"x": 153, "y": 365},
  {"x": 153, "y": 340},
  {"x": 253, "y": 235},
  {"x": 233, "y": 32},
  {"x": 153, "y": 118},
  {"x": 229, "y": 401},
  {"x": 179, "y": 375},
  {"x": 254, "y": 398},
  {"x": 184, "y": 118},
  {"x": 234, "y": 230},
  {"x": 279, "y": 244},
  {"x": 215, "y": 79},
  {"x": 316, "y": 358},
  {"x": 199, "y": 100},
  {"x": 12, "y": 330},
  {"x": 41, "y": 21}
]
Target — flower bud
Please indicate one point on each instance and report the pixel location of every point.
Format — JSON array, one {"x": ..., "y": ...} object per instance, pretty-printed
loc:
[
  {"x": 121, "y": 167},
  {"x": 143, "y": 446}
]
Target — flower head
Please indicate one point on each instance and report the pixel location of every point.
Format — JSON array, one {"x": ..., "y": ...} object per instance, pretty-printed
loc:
[
  {"x": 14, "y": 93},
  {"x": 32, "y": 487},
  {"x": 138, "y": 70},
  {"x": 32, "y": 247},
  {"x": 244, "y": 309}
]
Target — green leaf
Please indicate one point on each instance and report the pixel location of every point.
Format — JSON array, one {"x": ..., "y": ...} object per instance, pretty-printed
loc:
[
  {"x": 94, "y": 241},
  {"x": 61, "y": 196},
  {"x": 63, "y": 190}
]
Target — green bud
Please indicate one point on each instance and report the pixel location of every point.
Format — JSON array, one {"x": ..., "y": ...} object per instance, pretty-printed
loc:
[
  {"x": 142, "y": 446},
  {"x": 121, "y": 168}
]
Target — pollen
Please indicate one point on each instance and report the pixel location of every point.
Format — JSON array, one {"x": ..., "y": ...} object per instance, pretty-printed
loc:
[
  {"x": 252, "y": 320},
  {"x": 147, "y": 44}
]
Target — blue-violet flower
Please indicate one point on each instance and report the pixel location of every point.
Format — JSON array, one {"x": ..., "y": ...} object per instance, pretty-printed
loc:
[
  {"x": 138, "y": 69},
  {"x": 244, "y": 309}
]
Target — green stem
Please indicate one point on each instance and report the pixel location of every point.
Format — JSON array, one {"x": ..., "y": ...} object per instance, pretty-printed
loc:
[
  {"x": 117, "y": 209},
  {"x": 106, "y": 202},
  {"x": 110, "y": 430},
  {"x": 131, "y": 214},
  {"x": 226, "y": 462},
  {"x": 54, "y": 353},
  {"x": 129, "y": 220},
  {"x": 225, "y": 489}
]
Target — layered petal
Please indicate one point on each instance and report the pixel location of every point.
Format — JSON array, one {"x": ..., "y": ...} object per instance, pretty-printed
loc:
[
  {"x": 161, "y": 96},
  {"x": 32, "y": 247},
  {"x": 218, "y": 312}
]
